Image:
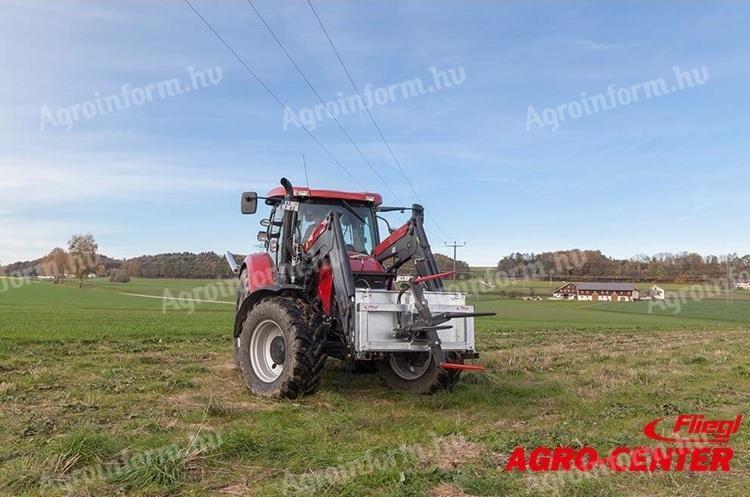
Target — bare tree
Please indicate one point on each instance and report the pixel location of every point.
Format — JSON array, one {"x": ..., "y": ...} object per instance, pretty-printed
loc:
[
  {"x": 55, "y": 264},
  {"x": 83, "y": 256}
]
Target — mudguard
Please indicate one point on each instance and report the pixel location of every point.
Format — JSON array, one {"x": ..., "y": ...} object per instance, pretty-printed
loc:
[
  {"x": 261, "y": 271},
  {"x": 258, "y": 295}
]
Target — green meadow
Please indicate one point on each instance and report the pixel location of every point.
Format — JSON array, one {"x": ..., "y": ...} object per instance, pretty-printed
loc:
[{"x": 105, "y": 390}]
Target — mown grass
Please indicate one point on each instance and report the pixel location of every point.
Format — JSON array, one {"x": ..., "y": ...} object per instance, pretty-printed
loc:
[{"x": 92, "y": 379}]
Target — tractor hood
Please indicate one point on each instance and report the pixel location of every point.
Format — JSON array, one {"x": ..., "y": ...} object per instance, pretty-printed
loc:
[{"x": 363, "y": 263}]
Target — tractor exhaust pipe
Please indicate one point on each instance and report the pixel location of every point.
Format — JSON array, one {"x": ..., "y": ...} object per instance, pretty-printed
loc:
[
  {"x": 287, "y": 233},
  {"x": 288, "y": 188},
  {"x": 232, "y": 262}
]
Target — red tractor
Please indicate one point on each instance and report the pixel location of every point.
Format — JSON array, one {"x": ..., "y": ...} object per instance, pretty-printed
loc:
[{"x": 326, "y": 286}]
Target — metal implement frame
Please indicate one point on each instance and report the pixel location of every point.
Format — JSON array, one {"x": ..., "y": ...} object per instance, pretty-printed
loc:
[{"x": 379, "y": 314}]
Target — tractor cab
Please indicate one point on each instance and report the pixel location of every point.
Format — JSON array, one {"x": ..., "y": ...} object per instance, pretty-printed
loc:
[{"x": 357, "y": 215}]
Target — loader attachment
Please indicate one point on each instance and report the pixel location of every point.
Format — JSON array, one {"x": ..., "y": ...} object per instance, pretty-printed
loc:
[
  {"x": 426, "y": 325},
  {"x": 409, "y": 243},
  {"x": 419, "y": 321}
]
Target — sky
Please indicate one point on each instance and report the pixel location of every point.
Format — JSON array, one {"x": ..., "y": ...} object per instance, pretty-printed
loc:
[{"x": 619, "y": 126}]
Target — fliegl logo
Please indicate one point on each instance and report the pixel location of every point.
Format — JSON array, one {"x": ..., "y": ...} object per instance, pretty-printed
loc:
[
  {"x": 695, "y": 429},
  {"x": 691, "y": 443}
]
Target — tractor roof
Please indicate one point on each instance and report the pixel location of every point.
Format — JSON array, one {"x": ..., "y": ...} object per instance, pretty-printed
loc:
[{"x": 303, "y": 191}]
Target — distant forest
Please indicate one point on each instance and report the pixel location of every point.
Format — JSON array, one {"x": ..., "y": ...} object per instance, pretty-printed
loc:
[
  {"x": 560, "y": 265},
  {"x": 681, "y": 267},
  {"x": 206, "y": 265}
]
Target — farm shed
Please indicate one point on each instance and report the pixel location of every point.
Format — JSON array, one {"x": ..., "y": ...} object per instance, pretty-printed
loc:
[{"x": 597, "y": 292}]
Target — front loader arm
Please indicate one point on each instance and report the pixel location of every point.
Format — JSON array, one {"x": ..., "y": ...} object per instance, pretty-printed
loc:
[
  {"x": 326, "y": 245},
  {"x": 409, "y": 242}
]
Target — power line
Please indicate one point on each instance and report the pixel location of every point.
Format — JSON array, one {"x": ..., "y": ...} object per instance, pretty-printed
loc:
[
  {"x": 270, "y": 92},
  {"x": 320, "y": 99},
  {"x": 372, "y": 118}
]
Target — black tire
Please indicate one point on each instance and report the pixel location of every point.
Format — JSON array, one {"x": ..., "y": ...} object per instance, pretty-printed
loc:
[
  {"x": 431, "y": 380},
  {"x": 241, "y": 294},
  {"x": 298, "y": 323}
]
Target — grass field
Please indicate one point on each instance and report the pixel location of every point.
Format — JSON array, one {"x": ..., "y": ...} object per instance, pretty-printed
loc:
[{"x": 92, "y": 377}]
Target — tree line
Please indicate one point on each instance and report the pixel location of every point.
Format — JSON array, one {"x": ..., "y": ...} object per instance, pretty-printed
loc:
[
  {"x": 60, "y": 263},
  {"x": 81, "y": 260},
  {"x": 681, "y": 267},
  {"x": 204, "y": 265}
]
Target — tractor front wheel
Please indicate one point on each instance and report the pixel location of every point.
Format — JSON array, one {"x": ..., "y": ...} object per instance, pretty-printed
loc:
[
  {"x": 241, "y": 294},
  {"x": 417, "y": 372},
  {"x": 280, "y": 348}
]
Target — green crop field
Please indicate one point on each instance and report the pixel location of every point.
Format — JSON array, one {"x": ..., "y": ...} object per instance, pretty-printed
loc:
[{"x": 104, "y": 393}]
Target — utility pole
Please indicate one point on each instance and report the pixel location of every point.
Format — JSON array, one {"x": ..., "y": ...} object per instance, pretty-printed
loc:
[
  {"x": 455, "y": 246},
  {"x": 730, "y": 281}
]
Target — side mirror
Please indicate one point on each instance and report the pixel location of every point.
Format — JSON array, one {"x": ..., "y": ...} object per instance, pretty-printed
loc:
[
  {"x": 249, "y": 203},
  {"x": 265, "y": 223},
  {"x": 262, "y": 236}
]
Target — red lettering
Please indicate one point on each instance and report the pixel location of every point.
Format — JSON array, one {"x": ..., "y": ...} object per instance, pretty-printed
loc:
[
  {"x": 710, "y": 427},
  {"x": 683, "y": 420},
  {"x": 637, "y": 459},
  {"x": 699, "y": 460},
  {"x": 517, "y": 460},
  {"x": 661, "y": 459},
  {"x": 586, "y": 459},
  {"x": 562, "y": 457},
  {"x": 721, "y": 457},
  {"x": 612, "y": 462},
  {"x": 539, "y": 459},
  {"x": 681, "y": 456}
]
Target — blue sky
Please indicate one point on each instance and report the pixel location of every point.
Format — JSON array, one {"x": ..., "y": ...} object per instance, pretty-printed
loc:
[{"x": 667, "y": 173}]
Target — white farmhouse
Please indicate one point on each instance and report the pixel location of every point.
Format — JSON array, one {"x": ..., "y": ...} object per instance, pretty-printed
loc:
[{"x": 657, "y": 293}]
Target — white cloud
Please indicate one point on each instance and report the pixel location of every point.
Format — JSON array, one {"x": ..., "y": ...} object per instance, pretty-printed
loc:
[
  {"x": 31, "y": 186},
  {"x": 29, "y": 183},
  {"x": 29, "y": 239},
  {"x": 593, "y": 45}
]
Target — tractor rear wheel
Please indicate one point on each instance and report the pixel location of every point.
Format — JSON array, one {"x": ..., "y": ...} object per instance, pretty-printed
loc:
[
  {"x": 417, "y": 372},
  {"x": 281, "y": 348}
]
